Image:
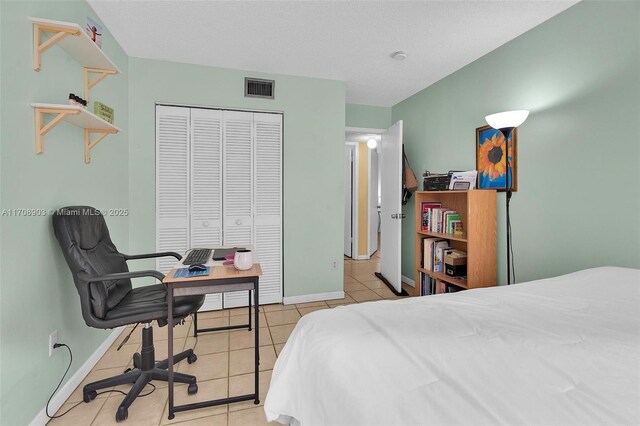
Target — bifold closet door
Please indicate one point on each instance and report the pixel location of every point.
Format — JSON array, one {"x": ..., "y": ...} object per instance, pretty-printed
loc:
[
  {"x": 268, "y": 203},
  {"x": 206, "y": 186},
  {"x": 237, "y": 192},
  {"x": 172, "y": 183}
]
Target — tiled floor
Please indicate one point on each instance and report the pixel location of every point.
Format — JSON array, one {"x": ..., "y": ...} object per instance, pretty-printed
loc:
[{"x": 225, "y": 361}]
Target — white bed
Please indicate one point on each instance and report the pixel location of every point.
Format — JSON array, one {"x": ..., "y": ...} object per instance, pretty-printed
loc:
[{"x": 559, "y": 351}]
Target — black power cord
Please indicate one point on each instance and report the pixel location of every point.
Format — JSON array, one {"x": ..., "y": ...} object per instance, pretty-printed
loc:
[{"x": 46, "y": 410}]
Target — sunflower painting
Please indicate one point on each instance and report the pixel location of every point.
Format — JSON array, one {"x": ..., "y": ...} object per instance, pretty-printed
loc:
[{"x": 490, "y": 159}]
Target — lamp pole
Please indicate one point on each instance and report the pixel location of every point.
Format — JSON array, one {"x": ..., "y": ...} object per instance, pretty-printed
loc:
[{"x": 506, "y": 132}]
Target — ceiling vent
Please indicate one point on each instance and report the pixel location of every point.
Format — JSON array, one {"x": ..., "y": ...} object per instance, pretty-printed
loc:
[{"x": 258, "y": 88}]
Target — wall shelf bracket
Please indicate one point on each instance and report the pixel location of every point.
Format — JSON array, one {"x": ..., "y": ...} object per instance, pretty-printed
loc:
[
  {"x": 89, "y": 144},
  {"x": 90, "y": 84},
  {"x": 42, "y": 129},
  {"x": 59, "y": 32}
]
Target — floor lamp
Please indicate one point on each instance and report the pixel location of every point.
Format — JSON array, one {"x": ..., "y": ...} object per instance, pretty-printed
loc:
[{"x": 505, "y": 122}]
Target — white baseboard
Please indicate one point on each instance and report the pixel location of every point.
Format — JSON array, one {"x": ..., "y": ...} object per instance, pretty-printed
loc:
[
  {"x": 361, "y": 257},
  {"x": 409, "y": 281},
  {"x": 317, "y": 297},
  {"x": 65, "y": 391}
]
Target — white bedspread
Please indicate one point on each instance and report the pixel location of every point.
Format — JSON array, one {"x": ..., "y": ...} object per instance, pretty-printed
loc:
[{"x": 558, "y": 351}]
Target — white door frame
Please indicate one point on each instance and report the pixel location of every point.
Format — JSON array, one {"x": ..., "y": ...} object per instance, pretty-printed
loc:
[{"x": 354, "y": 199}]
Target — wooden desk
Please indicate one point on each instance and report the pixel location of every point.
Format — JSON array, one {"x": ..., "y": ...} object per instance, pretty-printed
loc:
[{"x": 221, "y": 279}]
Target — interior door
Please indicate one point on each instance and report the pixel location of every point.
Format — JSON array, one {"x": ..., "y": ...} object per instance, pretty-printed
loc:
[
  {"x": 391, "y": 206},
  {"x": 206, "y": 186},
  {"x": 348, "y": 200},
  {"x": 237, "y": 193},
  {"x": 268, "y": 204},
  {"x": 172, "y": 183},
  {"x": 373, "y": 202}
]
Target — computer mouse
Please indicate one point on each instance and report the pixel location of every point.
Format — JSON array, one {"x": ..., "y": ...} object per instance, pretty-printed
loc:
[{"x": 196, "y": 267}]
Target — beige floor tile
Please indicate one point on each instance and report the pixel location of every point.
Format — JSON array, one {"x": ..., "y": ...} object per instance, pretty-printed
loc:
[
  {"x": 114, "y": 358},
  {"x": 145, "y": 410},
  {"x": 365, "y": 276},
  {"x": 310, "y": 304},
  {"x": 209, "y": 389},
  {"x": 280, "y": 333},
  {"x": 355, "y": 286},
  {"x": 385, "y": 293},
  {"x": 243, "y": 339},
  {"x": 211, "y": 323},
  {"x": 290, "y": 316},
  {"x": 161, "y": 347},
  {"x": 364, "y": 295},
  {"x": 242, "y": 361},
  {"x": 305, "y": 311},
  {"x": 209, "y": 343},
  {"x": 276, "y": 307},
  {"x": 207, "y": 367},
  {"x": 344, "y": 301},
  {"x": 349, "y": 279},
  {"x": 94, "y": 376},
  {"x": 374, "y": 284},
  {"x": 81, "y": 415},
  {"x": 181, "y": 330},
  {"x": 243, "y": 319},
  {"x": 222, "y": 313},
  {"x": 278, "y": 348},
  {"x": 251, "y": 417},
  {"x": 218, "y": 420},
  {"x": 245, "y": 384}
]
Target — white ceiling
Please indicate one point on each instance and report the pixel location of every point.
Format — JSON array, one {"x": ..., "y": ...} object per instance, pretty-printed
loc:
[{"x": 349, "y": 41}]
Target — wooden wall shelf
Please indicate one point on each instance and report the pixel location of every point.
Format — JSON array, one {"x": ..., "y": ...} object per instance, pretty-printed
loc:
[
  {"x": 75, "y": 41},
  {"x": 75, "y": 115}
]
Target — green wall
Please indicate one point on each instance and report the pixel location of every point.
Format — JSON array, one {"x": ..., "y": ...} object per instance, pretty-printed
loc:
[
  {"x": 367, "y": 116},
  {"x": 37, "y": 292},
  {"x": 578, "y": 198},
  {"x": 314, "y": 121}
]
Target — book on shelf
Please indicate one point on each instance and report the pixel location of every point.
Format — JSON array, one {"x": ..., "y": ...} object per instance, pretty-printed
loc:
[
  {"x": 438, "y": 219},
  {"x": 426, "y": 208},
  {"x": 438, "y": 255}
]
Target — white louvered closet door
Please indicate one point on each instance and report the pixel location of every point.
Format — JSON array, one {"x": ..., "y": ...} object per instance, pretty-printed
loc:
[
  {"x": 268, "y": 203},
  {"x": 237, "y": 198},
  {"x": 172, "y": 183},
  {"x": 206, "y": 186}
]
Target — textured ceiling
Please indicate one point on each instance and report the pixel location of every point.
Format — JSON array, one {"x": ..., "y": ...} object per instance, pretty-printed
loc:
[{"x": 349, "y": 41}]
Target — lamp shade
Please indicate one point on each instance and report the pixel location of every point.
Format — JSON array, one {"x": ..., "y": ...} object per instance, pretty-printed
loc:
[{"x": 501, "y": 120}]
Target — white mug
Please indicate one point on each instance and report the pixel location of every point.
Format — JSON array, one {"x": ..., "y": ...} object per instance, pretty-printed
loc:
[{"x": 243, "y": 260}]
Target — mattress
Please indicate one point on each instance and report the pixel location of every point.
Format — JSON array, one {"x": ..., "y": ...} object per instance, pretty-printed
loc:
[{"x": 564, "y": 350}]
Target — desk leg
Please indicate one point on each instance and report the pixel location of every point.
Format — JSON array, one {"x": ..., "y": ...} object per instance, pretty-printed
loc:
[
  {"x": 170, "y": 348},
  {"x": 195, "y": 324},
  {"x": 256, "y": 308},
  {"x": 249, "y": 310}
]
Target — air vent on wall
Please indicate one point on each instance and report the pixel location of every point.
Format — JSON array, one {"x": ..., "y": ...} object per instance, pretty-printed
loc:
[{"x": 258, "y": 88}]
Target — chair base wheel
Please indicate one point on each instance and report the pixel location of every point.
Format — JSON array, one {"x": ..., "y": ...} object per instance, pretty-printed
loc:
[
  {"x": 89, "y": 396},
  {"x": 192, "y": 389},
  {"x": 122, "y": 414},
  {"x": 192, "y": 358}
]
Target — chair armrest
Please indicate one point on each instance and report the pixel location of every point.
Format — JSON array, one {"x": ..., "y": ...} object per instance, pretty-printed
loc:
[
  {"x": 151, "y": 255},
  {"x": 121, "y": 275}
]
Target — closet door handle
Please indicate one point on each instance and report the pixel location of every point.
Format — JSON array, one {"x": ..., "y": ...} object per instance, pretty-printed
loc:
[
  {"x": 205, "y": 223},
  {"x": 239, "y": 222}
]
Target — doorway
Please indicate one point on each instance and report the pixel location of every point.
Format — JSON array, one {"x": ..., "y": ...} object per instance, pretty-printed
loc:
[{"x": 362, "y": 193}]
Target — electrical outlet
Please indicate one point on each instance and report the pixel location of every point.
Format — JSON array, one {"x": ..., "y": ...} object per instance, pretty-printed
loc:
[
  {"x": 334, "y": 264},
  {"x": 53, "y": 339}
]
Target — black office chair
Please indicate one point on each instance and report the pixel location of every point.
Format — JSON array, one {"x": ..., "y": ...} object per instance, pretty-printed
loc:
[{"x": 108, "y": 300}]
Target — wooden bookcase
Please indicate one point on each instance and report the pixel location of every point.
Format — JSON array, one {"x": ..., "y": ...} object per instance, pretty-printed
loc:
[{"x": 477, "y": 209}]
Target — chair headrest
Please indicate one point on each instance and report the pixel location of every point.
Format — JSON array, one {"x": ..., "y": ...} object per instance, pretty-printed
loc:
[{"x": 83, "y": 225}]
